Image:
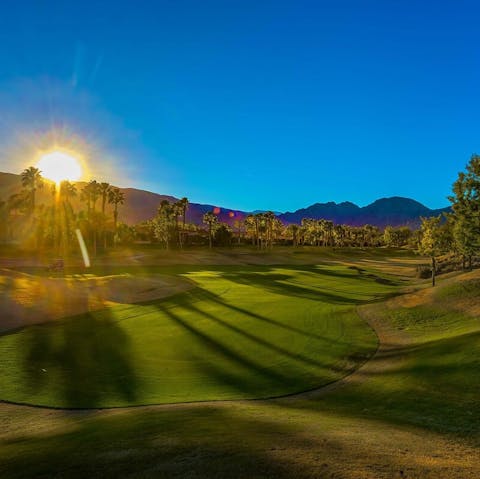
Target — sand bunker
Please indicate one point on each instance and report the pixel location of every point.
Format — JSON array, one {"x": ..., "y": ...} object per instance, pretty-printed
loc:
[{"x": 26, "y": 299}]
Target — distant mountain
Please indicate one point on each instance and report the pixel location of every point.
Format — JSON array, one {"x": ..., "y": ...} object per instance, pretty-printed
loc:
[
  {"x": 142, "y": 205},
  {"x": 394, "y": 211}
]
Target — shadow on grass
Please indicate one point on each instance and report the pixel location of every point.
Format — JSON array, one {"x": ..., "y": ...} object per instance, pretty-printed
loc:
[
  {"x": 205, "y": 442},
  {"x": 79, "y": 362},
  {"x": 240, "y": 360},
  {"x": 258, "y": 380},
  {"x": 427, "y": 385},
  {"x": 281, "y": 283},
  {"x": 212, "y": 442}
]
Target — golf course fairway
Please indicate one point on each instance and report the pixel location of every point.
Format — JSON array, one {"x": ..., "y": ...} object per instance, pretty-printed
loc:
[{"x": 240, "y": 332}]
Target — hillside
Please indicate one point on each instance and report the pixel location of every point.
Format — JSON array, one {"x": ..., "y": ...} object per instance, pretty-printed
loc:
[{"x": 142, "y": 205}]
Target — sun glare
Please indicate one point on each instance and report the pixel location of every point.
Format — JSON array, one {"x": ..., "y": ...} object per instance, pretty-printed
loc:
[{"x": 58, "y": 166}]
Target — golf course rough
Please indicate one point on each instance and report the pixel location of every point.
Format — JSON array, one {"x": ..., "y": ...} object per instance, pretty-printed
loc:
[{"x": 242, "y": 332}]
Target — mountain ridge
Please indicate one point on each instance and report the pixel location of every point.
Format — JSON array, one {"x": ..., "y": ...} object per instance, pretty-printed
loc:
[{"x": 141, "y": 205}]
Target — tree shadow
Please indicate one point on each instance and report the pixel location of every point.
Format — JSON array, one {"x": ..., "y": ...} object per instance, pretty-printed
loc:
[
  {"x": 420, "y": 388},
  {"x": 299, "y": 357},
  {"x": 282, "y": 283},
  {"x": 243, "y": 372},
  {"x": 239, "y": 360},
  {"x": 79, "y": 362},
  {"x": 207, "y": 441}
]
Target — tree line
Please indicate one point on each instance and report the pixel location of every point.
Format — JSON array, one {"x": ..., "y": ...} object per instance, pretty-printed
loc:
[
  {"x": 456, "y": 233},
  {"x": 51, "y": 225}
]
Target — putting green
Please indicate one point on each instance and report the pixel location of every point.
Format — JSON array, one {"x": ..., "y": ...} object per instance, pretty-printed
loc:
[{"x": 243, "y": 332}]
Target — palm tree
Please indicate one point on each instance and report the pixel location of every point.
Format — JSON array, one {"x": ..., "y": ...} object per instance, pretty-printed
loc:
[
  {"x": 32, "y": 180},
  {"x": 90, "y": 194},
  {"x": 269, "y": 219},
  {"x": 115, "y": 198},
  {"x": 67, "y": 190},
  {"x": 16, "y": 206},
  {"x": 104, "y": 192},
  {"x": 86, "y": 197},
  {"x": 293, "y": 230},
  {"x": 211, "y": 220},
  {"x": 94, "y": 188},
  {"x": 183, "y": 206}
]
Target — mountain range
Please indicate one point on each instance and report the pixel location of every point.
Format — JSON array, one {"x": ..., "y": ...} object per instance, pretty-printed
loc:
[{"x": 142, "y": 205}]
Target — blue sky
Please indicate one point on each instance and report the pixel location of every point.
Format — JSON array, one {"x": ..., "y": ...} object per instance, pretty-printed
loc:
[{"x": 250, "y": 104}]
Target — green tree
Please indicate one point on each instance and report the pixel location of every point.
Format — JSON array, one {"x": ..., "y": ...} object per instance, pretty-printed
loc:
[
  {"x": 223, "y": 235},
  {"x": 211, "y": 220},
  {"x": 431, "y": 241},
  {"x": 183, "y": 206},
  {"x": 164, "y": 223},
  {"x": 466, "y": 210}
]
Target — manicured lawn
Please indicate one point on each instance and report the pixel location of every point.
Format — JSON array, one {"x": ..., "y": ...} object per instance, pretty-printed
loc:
[
  {"x": 243, "y": 332},
  {"x": 435, "y": 381},
  {"x": 413, "y": 412}
]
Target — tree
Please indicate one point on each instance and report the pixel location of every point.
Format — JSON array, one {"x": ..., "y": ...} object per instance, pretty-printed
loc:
[
  {"x": 183, "y": 206},
  {"x": 85, "y": 196},
  {"x": 104, "y": 190},
  {"x": 239, "y": 227},
  {"x": 466, "y": 210},
  {"x": 293, "y": 230},
  {"x": 211, "y": 220},
  {"x": 251, "y": 228},
  {"x": 90, "y": 194},
  {"x": 165, "y": 222},
  {"x": 269, "y": 220},
  {"x": 223, "y": 235},
  {"x": 397, "y": 237},
  {"x": 67, "y": 191},
  {"x": 115, "y": 197},
  {"x": 32, "y": 180},
  {"x": 431, "y": 241}
]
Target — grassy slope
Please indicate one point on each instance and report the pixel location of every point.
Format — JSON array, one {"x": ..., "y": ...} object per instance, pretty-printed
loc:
[
  {"x": 435, "y": 383},
  {"x": 242, "y": 333},
  {"x": 416, "y": 418}
]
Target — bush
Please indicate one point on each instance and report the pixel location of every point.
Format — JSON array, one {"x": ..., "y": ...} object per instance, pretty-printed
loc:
[{"x": 424, "y": 271}]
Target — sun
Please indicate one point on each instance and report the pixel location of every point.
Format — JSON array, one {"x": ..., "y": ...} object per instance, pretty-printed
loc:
[{"x": 59, "y": 166}]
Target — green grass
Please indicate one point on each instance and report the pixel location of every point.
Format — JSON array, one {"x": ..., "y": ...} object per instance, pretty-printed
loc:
[
  {"x": 435, "y": 384},
  {"x": 420, "y": 415},
  {"x": 249, "y": 332}
]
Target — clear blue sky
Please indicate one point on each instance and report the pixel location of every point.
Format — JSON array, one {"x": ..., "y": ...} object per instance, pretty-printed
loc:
[{"x": 251, "y": 104}]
